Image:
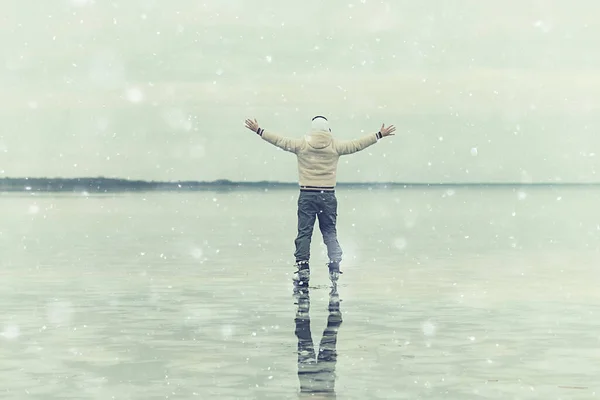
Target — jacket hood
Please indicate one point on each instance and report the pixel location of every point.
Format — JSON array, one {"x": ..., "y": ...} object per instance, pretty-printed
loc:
[{"x": 319, "y": 139}]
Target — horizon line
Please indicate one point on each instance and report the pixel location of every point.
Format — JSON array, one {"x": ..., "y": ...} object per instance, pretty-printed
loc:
[{"x": 295, "y": 183}]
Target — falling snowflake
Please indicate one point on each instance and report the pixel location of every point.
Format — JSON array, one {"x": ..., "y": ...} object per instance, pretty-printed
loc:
[
  {"x": 227, "y": 332},
  {"x": 81, "y": 3},
  {"x": 197, "y": 253},
  {"x": 60, "y": 312},
  {"x": 10, "y": 332},
  {"x": 429, "y": 328},
  {"x": 400, "y": 243},
  {"x": 134, "y": 95}
]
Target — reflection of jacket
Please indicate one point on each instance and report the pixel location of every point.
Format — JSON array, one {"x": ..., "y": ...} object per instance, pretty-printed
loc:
[{"x": 318, "y": 154}]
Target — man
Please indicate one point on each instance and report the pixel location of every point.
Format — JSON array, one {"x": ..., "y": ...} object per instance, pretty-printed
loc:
[{"x": 318, "y": 154}]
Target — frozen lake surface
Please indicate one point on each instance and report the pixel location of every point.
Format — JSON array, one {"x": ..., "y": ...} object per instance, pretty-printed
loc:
[{"x": 460, "y": 293}]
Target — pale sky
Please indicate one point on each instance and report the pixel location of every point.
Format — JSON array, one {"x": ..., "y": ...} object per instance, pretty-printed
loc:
[{"x": 485, "y": 91}]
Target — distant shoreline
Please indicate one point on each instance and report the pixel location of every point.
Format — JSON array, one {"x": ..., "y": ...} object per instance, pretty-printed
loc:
[{"x": 115, "y": 185}]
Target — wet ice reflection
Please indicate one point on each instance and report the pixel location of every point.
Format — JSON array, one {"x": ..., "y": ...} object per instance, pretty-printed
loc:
[
  {"x": 90, "y": 308},
  {"x": 316, "y": 369}
]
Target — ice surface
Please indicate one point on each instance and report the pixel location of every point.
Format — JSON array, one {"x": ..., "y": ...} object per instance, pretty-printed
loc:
[{"x": 117, "y": 322}]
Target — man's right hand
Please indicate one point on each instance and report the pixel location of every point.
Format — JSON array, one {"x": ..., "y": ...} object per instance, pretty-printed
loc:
[
  {"x": 252, "y": 125},
  {"x": 389, "y": 131}
]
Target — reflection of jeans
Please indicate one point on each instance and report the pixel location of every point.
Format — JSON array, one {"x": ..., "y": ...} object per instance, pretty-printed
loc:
[
  {"x": 317, "y": 374},
  {"x": 312, "y": 205}
]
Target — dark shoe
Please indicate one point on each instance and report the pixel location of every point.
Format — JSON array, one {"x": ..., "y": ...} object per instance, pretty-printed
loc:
[
  {"x": 302, "y": 275},
  {"x": 334, "y": 271}
]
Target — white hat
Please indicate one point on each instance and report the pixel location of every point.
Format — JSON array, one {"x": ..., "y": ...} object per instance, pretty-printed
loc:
[{"x": 320, "y": 123}]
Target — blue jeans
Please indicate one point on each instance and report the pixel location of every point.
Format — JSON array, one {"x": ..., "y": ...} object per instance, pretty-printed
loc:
[{"x": 313, "y": 205}]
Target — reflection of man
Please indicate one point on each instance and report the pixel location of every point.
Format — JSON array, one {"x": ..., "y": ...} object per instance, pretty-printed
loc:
[{"x": 317, "y": 374}]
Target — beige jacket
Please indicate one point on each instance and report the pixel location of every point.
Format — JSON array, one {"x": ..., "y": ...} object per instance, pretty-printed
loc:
[{"x": 318, "y": 154}]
